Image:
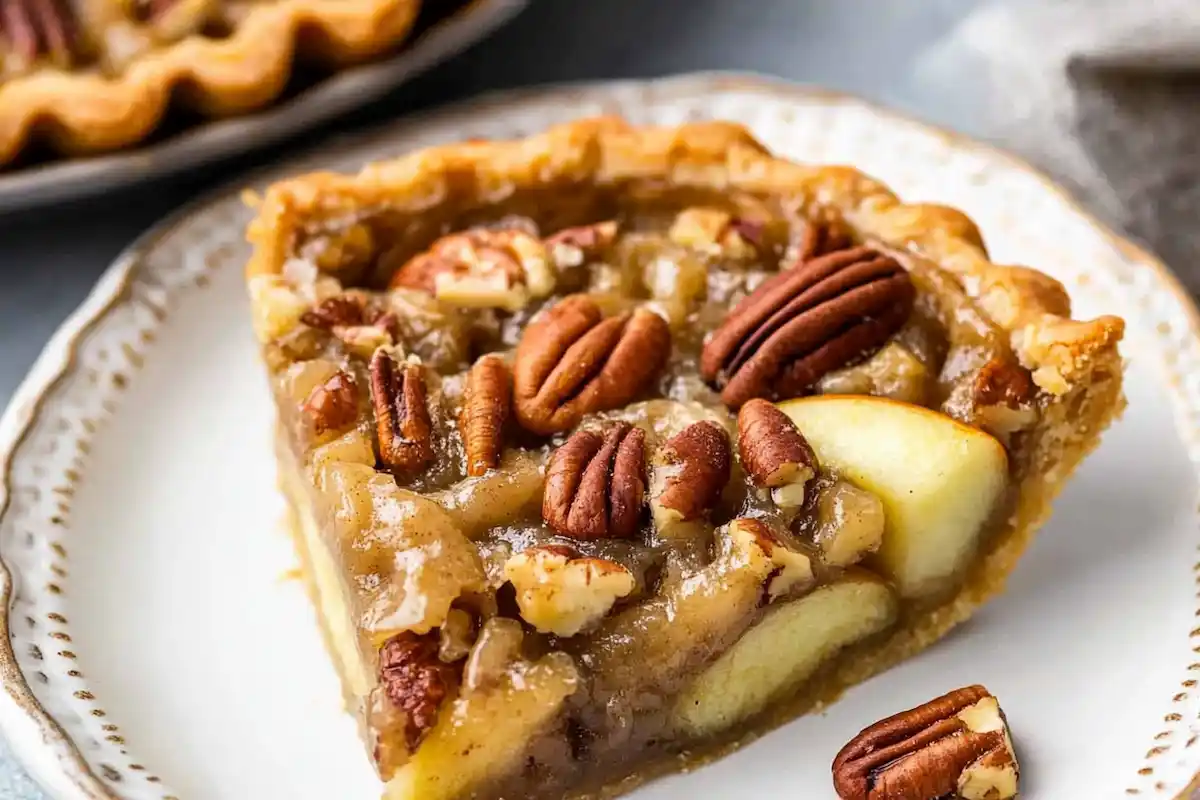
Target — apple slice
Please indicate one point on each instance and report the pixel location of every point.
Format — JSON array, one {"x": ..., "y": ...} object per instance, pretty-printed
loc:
[
  {"x": 939, "y": 480},
  {"x": 783, "y": 649}
]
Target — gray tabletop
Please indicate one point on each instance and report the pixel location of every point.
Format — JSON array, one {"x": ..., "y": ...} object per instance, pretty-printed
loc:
[{"x": 50, "y": 259}]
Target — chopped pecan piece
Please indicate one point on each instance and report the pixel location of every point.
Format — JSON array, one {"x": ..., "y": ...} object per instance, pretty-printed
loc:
[
  {"x": 572, "y": 247},
  {"x": 362, "y": 327},
  {"x": 1002, "y": 382},
  {"x": 956, "y": 745},
  {"x": 1002, "y": 398},
  {"x": 482, "y": 268},
  {"x": 775, "y": 453},
  {"x": 561, "y": 592},
  {"x": 401, "y": 414},
  {"x": 333, "y": 405},
  {"x": 822, "y": 237},
  {"x": 34, "y": 28},
  {"x": 364, "y": 340},
  {"x": 760, "y": 549},
  {"x": 333, "y": 311},
  {"x": 485, "y": 405},
  {"x": 718, "y": 232},
  {"x": 572, "y": 361},
  {"x": 595, "y": 485},
  {"x": 806, "y": 321},
  {"x": 691, "y": 470},
  {"x": 416, "y": 681}
]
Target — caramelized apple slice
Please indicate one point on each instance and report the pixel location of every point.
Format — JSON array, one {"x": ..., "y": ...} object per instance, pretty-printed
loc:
[
  {"x": 939, "y": 480},
  {"x": 783, "y": 649}
]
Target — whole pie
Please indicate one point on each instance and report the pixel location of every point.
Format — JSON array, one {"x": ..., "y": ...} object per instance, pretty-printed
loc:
[
  {"x": 613, "y": 448},
  {"x": 94, "y": 75}
]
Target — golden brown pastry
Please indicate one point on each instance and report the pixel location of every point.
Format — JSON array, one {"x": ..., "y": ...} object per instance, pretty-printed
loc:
[{"x": 613, "y": 448}]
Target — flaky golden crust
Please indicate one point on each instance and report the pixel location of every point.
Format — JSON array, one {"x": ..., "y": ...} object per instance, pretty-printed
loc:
[
  {"x": 83, "y": 113},
  {"x": 1076, "y": 364}
]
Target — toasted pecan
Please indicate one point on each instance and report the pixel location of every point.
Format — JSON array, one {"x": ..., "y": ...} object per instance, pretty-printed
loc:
[
  {"x": 401, "y": 413},
  {"x": 416, "y": 681},
  {"x": 333, "y": 405},
  {"x": 485, "y": 407},
  {"x": 954, "y": 745},
  {"x": 805, "y": 322},
  {"x": 695, "y": 465},
  {"x": 774, "y": 452},
  {"x": 338, "y": 310},
  {"x": 572, "y": 361},
  {"x": 1001, "y": 381},
  {"x": 33, "y": 28},
  {"x": 595, "y": 484},
  {"x": 481, "y": 268}
]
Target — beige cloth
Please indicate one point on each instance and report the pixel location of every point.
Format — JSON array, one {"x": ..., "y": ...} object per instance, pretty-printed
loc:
[{"x": 1103, "y": 94}]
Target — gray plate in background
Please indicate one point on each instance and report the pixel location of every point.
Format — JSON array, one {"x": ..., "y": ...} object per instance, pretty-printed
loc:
[{"x": 59, "y": 181}]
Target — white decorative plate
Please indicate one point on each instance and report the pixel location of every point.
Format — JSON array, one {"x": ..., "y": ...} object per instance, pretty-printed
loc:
[
  {"x": 68, "y": 179},
  {"x": 160, "y": 649}
]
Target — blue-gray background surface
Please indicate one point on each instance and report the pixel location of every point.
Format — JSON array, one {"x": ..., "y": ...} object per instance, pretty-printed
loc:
[{"x": 49, "y": 260}]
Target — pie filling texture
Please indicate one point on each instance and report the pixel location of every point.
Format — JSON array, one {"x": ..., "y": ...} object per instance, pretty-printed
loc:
[
  {"x": 615, "y": 447},
  {"x": 92, "y": 75}
]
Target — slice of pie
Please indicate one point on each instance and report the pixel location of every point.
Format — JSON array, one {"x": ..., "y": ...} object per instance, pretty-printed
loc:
[
  {"x": 613, "y": 448},
  {"x": 95, "y": 75}
]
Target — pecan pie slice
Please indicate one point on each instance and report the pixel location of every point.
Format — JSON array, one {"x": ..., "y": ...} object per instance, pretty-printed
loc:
[
  {"x": 592, "y": 488},
  {"x": 96, "y": 75}
]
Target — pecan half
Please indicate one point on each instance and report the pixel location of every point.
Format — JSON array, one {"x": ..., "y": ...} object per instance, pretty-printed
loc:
[
  {"x": 806, "y": 321},
  {"x": 33, "y": 28},
  {"x": 595, "y": 485},
  {"x": 956, "y": 745},
  {"x": 333, "y": 405},
  {"x": 775, "y": 453},
  {"x": 691, "y": 470},
  {"x": 485, "y": 405},
  {"x": 401, "y": 414},
  {"x": 481, "y": 268},
  {"x": 572, "y": 361},
  {"x": 416, "y": 681}
]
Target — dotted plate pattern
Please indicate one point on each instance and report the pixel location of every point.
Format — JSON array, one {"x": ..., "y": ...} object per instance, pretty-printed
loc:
[{"x": 77, "y": 383}]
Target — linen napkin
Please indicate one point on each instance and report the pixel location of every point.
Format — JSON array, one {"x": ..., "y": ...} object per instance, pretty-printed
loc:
[{"x": 1104, "y": 95}]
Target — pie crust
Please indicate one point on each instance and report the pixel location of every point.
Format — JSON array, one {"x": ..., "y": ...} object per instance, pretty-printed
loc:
[
  {"x": 1074, "y": 365},
  {"x": 83, "y": 111}
]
